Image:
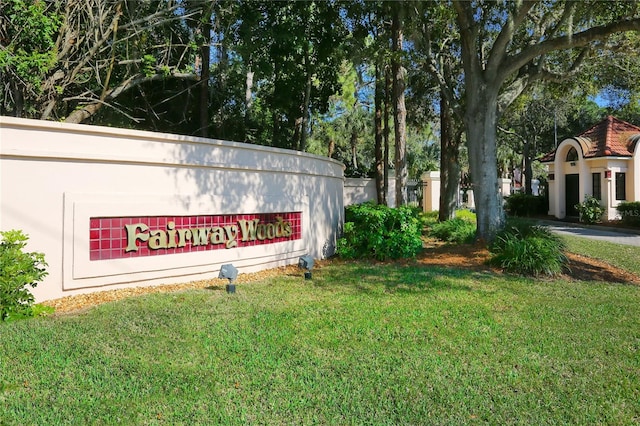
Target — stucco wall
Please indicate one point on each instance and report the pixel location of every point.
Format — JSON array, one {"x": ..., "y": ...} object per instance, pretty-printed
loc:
[
  {"x": 584, "y": 168},
  {"x": 55, "y": 177},
  {"x": 361, "y": 190},
  {"x": 431, "y": 191}
]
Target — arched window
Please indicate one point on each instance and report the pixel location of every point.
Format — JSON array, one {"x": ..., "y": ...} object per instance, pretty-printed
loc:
[{"x": 572, "y": 155}]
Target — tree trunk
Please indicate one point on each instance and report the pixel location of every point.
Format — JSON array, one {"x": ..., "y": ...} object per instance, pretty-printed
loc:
[
  {"x": 377, "y": 124},
  {"x": 18, "y": 100},
  {"x": 205, "y": 52},
  {"x": 79, "y": 115},
  {"x": 449, "y": 163},
  {"x": 354, "y": 150},
  {"x": 248, "y": 104},
  {"x": 387, "y": 131},
  {"x": 399, "y": 109},
  {"x": 297, "y": 125},
  {"x": 331, "y": 148},
  {"x": 305, "y": 105},
  {"x": 481, "y": 125},
  {"x": 275, "y": 114},
  {"x": 528, "y": 169},
  {"x": 223, "y": 70}
]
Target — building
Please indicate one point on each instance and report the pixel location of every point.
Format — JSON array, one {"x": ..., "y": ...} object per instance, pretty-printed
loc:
[{"x": 602, "y": 161}]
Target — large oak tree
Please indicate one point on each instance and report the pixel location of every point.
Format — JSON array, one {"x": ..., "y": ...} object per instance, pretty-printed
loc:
[{"x": 507, "y": 46}]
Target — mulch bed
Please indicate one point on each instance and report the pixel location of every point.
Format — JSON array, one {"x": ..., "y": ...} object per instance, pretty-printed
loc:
[
  {"x": 473, "y": 257},
  {"x": 435, "y": 254},
  {"x": 83, "y": 301}
]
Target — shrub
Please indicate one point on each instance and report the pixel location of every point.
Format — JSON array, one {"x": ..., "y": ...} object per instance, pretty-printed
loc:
[
  {"x": 18, "y": 270},
  {"x": 520, "y": 204},
  {"x": 528, "y": 249},
  {"x": 467, "y": 215},
  {"x": 630, "y": 213},
  {"x": 428, "y": 218},
  {"x": 590, "y": 210},
  {"x": 455, "y": 230},
  {"x": 380, "y": 232}
]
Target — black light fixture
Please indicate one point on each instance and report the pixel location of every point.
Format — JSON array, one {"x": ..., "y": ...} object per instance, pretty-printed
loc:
[
  {"x": 306, "y": 262},
  {"x": 231, "y": 273}
]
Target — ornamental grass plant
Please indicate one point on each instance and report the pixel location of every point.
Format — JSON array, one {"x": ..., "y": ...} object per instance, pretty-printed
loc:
[{"x": 528, "y": 249}]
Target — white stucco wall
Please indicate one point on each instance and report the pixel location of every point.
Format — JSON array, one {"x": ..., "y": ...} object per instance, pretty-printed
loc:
[
  {"x": 634, "y": 175},
  {"x": 361, "y": 190},
  {"x": 431, "y": 191},
  {"x": 54, "y": 177},
  {"x": 584, "y": 168}
]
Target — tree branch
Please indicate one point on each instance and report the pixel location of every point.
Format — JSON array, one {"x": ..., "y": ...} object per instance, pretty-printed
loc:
[
  {"x": 571, "y": 72},
  {"x": 513, "y": 63},
  {"x": 513, "y": 133},
  {"x": 499, "y": 49},
  {"x": 468, "y": 32},
  {"x": 78, "y": 116}
]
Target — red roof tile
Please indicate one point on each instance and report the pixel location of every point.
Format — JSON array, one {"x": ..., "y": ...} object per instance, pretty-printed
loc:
[{"x": 609, "y": 138}]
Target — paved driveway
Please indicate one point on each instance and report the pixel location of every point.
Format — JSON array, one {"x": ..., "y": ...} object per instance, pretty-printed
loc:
[{"x": 596, "y": 234}]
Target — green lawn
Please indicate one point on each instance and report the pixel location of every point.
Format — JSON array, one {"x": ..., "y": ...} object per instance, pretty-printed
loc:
[
  {"x": 360, "y": 344},
  {"x": 621, "y": 256}
]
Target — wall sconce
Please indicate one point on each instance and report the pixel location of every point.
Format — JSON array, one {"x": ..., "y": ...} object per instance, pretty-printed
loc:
[
  {"x": 607, "y": 174},
  {"x": 306, "y": 262},
  {"x": 231, "y": 273},
  {"x": 573, "y": 163}
]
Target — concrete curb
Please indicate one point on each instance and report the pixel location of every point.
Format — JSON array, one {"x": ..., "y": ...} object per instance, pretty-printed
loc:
[{"x": 585, "y": 226}]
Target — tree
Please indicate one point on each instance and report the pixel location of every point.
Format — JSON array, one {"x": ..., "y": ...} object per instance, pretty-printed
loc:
[
  {"x": 372, "y": 28},
  {"x": 399, "y": 110},
  {"x": 294, "y": 50},
  {"x": 437, "y": 51},
  {"x": 370, "y": 48},
  {"x": 204, "y": 31},
  {"x": 507, "y": 46},
  {"x": 95, "y": 52},
  {"x": 450, "y": 136},
  {"x": 27, "y": 43},
  {"x": 381, "y": 167},
  {"x": 423, "y": 151},
  {"x": 344, "y": 128}
]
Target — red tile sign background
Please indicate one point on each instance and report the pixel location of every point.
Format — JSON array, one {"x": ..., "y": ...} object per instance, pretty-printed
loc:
[{"x": 108, "y": 237}]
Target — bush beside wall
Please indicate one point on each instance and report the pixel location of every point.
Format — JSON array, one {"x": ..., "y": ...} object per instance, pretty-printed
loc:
[
  {"x": 380, "y": 232},
  {"x": 524, "y": 205},
  {"x": 18, "y": 271},
  {"x": 456, "y": 230},
  {"x": 630, "y": 213}
]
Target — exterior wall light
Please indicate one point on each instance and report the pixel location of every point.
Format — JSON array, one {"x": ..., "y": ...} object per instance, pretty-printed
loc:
[
  {"x": 231, "y": 273},
  {"x": 306, "y": 262}
]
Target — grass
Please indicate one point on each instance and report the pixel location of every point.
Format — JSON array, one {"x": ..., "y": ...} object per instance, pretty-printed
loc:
[
  {"x": 360, "y": 344},
  {"x": 618, "y": 255}
]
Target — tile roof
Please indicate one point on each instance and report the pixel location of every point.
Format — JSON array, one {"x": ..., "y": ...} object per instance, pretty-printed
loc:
[{"x": 609, "y": 138}]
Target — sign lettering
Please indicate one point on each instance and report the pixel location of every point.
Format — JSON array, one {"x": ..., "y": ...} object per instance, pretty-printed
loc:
[{"x": 113, "y": 238}]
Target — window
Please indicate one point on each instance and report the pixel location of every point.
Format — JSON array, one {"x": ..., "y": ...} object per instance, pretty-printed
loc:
[
  {"x": 572, "y": 155},
  {"x": 621, "y": 187},
  {"x": 597, "y": 188}
]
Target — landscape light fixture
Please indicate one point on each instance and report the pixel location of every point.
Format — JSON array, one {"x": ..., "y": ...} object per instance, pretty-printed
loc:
[
  {"x": 231, "y": 273},
  {"x": 306, "y": 262}
]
